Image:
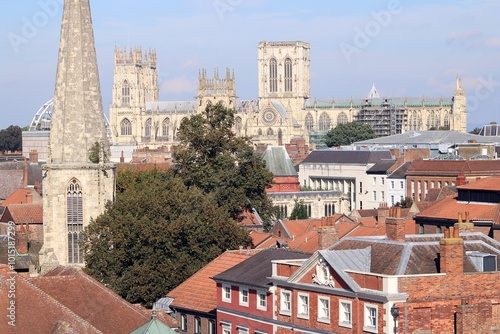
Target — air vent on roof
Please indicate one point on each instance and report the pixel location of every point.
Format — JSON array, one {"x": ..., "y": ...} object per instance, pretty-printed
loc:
[{"x": 483, "y": 261}]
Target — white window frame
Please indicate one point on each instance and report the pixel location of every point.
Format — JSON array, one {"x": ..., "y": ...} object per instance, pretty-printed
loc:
[
  {"x": 244, "y": 296},
  {"x": 286, "y": 302},
  {"x": 225, "y": 289},
  {"x": 242, "y": 329},
  {"x": 303, "y": 305},
  {"x": 226, "y": 328},
  {"x": 197, "y": 325},
  {"x": 262, "y": 299},
  {"x": 211, "y": 327},
  {"x": 183, "y": 322},
  {"x": 324, "y": 315},
  {"x": 392, "y": 185},
  {"x": 374, "y": 181},
  {"x": 369, "y": 318},
  {"x": 345, "y": 321},
  {"x": 374, "y": 194},
  {"x": 382, "y": 180}
]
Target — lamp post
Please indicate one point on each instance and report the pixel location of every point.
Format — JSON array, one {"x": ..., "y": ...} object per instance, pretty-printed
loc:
[{"x": 395, "y": 315}]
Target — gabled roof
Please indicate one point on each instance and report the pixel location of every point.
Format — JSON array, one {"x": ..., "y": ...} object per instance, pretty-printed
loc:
[
  {"x": 154, "y": 326},
  {"x": 23, "y": 196},
  {"x": 256, "y": 270},
  {"x": 69, "y": 301},
  {"x": 400, "y": 172},
  {"x": 329, "y": 156},
  {"x": 381, "y": 167},
  {"x": 23, "y": 213},
  {"x": 278, "y": 161},
  {"x": 199, "y": 292}
]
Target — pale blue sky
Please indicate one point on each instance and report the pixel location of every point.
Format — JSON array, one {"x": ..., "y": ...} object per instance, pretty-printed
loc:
[{"x": 410, "y": 48}]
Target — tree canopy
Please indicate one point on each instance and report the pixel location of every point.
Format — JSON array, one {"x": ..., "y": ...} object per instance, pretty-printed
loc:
[
  {"x": 210, "y": 156},
  {"x": 299, "y": 211},
  {"x": 348, "y": 133},
  {"x": 157, "y": 234},
  {"x": 11, "y": 139}
]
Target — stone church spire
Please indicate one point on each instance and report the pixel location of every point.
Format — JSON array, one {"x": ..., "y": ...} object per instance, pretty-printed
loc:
[
  {"x": 77, "y": 118},
  {"x": 75, "y": 189}
]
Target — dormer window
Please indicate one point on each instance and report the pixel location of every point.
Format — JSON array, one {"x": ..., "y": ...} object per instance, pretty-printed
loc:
[{"x": 483, "y": 261}]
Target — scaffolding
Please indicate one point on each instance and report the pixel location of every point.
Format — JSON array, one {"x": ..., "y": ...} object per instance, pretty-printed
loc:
[{"x": 384, "y": 116}]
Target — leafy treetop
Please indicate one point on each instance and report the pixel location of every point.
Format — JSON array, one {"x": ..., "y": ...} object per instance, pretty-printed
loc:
[
  {"x": 11, "y": 139},
  {"x": 348, "y": 133}
]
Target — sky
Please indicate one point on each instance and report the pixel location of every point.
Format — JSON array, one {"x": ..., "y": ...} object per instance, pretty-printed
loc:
[{"x": 405, "y": 47}]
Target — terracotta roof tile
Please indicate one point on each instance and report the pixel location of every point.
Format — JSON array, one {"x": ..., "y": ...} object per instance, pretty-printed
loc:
[
  {"x": 23, "y": 196},
  {"x": 199, "y": 292},
  {"x": 23, "y": 213},
  {"x": 489, "y": 183}
]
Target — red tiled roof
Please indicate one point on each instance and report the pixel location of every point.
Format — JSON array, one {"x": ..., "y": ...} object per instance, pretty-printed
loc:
[
  {"x": 199, "y": 292},
  {"x": 23, "y": 213},
  {"x": 67, "y": 300},
  {"x": 23, "y": 196},
  {"x": 488, "y": 183},
  {"x": 259, "y": 237}
]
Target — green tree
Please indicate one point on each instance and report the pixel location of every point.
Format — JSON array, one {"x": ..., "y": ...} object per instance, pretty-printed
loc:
[
  {"x": 156, "y": 235},
  {"x": 405, "y": 203},
  {"x": 348, "y": 133},
  {"x": 98, "y": 152},
  {"x": 475, "y": 131},
  {"x": 11, "y": 139},
  {"x": 299, "y": 211},
  {"x": 210, "y": 156}
]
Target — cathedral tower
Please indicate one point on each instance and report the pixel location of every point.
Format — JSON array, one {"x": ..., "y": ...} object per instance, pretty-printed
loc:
[
  {"x": 135, "y": 83},
  {"x": 216, "y": 90},
  {"x": 459, "y": 111},
  {"x": 77, "y": 183}
]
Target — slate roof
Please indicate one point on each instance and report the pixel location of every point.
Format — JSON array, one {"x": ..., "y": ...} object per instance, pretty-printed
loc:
[
  {"x": 381, "y": 167},
  {"x": 256, "y": 270},
  {"x": 278, "y": 161},
  {"x": 66, "y": 300},
  {"x": 329, "y": 156},
  {"x": 400, "y": 172},
  {"x": 199, "y": 292},
  {"x": 10, "y": 180},
  {"x": 416, "y": 255}
]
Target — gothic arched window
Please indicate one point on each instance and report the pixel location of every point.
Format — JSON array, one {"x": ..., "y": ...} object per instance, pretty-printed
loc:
[
  {"x": 126, "y": 127},
  {"x": 147, "y": 128},
  {"x": 280, "y": 135},
  {"x": 342, "y": 118},
  {"x": 74, "y": 221},
  {"x": 324, "y": 122},
  {"x": 164, "y": 127},
  {"x": 273, "y": 75},
  {"x": 125, "y": 93},
  {"x": 270, "y": 132},
  {"x": 309, "y": 122},
  {"x": 433, "y": 120},
  {"x": 446, "y": 121},
  {"x": 288, "y": 75},
  {"x": 259, "y": 133}
]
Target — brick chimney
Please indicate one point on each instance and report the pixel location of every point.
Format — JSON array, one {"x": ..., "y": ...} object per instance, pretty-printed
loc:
[
  {"x": 451, "y": 252},
  {"x": 395, "y": 225},
  {"x": 382, "y": 213},
  {"x": 327, "y": 236},
  {"x": 464, "y": 227},
  {"x": 22, "y": 241},
  {"x": 122, "y": 158},
  {"x": 25, "y": 173},
  {"x": 460, "y": 179},
  {"x": 34, "y": 156}
]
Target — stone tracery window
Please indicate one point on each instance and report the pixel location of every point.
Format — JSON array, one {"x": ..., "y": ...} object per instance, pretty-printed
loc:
[
  {"x": 288, "y": 75},
  {"x": 342, "y": 118},
  {"x": 324, "y": 122},
  {"x": 125, "y": 93},
  {"x": 165, "y": 127},
  {"x": 125, "y": 127},
  {"x": 147, "y": 128},
  {"x": 309, "y": 122},
  {"x": 273, "y": 75},
  {"x": 270, "y": 132},
  {"x": 74, "y": 221}
]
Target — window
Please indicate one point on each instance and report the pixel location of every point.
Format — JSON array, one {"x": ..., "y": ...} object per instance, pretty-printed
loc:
[
  {"x": 288, "y": 75},
  {"x": 273, "y": 76},
  {"x": 421, "y": 229},
  {"x": 242, "y": 330},
  {"x": 345, "y": 313},
  {"x": 324, "y": 309},
  {"x": 126, "y": 128},
  {"x": 244, "y": 296},
  {"x": 361, "y": 187},
  {"x": 226, "y": 293},
  {"x": 309, "y": 122},
  {"x": 374, "y": 195},
  {"x": 211, "y": 327},
  {"x": 183, "y": 322},
  {"x": 342, "y": 118},
  {"x": 382, "y": 196},
  {"x": 197, "y": 325},
  {"x": 147, "y": 128},
  {"x": 370, "y": 323},
  {"x": 401, "y": 185},
  {"x": 270, "y": 132},
  {"x": 382, "y": 180},
  {"x": 74, "y": 221},
  {"x": 392, "y": 200},
  {"x": 261, "y": 300},
  {"x": 392, "y": 184},
  {"x": 164, "y": 128},
  {"x": 226, "y": 327},
  {"x": 125, "y": 93},
  {"x": 433, "y": 184},
  {"x": 286, "y": 302},
  {"x": 324, "y": 122},
  {"x": 374, "y": 182},
  {"x": 303, "y": 306}
]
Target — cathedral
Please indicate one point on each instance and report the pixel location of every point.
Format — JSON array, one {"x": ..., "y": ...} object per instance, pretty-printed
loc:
[{"x": 282, "y": 111}]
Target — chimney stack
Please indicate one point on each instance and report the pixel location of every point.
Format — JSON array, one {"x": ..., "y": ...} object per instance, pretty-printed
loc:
[
  {"x": 451, "y": 252},
  {"x": 382, "y": 213},
  {"x": 327, "y": 236},
  {"x": 395, "y": 225},
  {"x": 464, "y": 227},
  {"x": 460, "y": 179},
  {"x": 34, "y": 156},
  {"x": 22, "y": 241},
  {"x": 25, "y": 174}
]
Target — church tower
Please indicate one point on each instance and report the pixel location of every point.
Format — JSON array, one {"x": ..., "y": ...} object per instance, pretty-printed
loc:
[
  {"x": 216, "y": 90},
  {"x": 78, "y": 178},
  {"x": 135, "y": 83}
]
